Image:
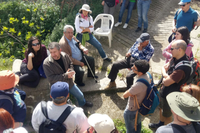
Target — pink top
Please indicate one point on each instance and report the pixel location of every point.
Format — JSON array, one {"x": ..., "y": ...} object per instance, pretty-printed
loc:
[{"x": 168, "y": 55}]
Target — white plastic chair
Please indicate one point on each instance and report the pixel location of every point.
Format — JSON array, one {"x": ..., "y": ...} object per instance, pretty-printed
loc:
[{"x": 105, "y": 29}]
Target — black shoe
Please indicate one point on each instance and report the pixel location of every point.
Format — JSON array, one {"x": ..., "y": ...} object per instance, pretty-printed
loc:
[
  {"x": 108, "y": 59},
  {"x": 94, "y": 76},
  {"x": 144, "y": 31},
  {"x": 88, "y": 104},
  {"x": 80, "y": 84},
  {"x": 138, "y": 29},
  {"x": 18, "y": 73},
  {"x": 155, "y": 125}
]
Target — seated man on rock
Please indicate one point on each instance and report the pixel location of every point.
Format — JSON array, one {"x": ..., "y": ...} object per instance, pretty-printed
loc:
[
  {"x": 141, "y": 50},
  {"x": 71, "y": 46},
  {"x": 58, "y": 67}
]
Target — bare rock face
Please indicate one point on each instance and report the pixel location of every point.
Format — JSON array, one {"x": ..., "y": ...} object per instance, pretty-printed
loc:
[{"x": 33, "y": 95}]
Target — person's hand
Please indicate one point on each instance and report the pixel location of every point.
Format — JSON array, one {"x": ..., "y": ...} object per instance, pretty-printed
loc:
[
  {"x": 174, "y": 29},
  {"x": 70, "y": 73},
  {"x": 31, "y": 55},
  {"x": 85, "y": 51},
  {"x": 82, "y": 28},
  {"x": 103, "y": 2},
  {"x": 128, "y": 54},
  {"x": 140, "y": 47},
  {"x": 90, "y": 26},
  {"x": 82, "y": 64}
]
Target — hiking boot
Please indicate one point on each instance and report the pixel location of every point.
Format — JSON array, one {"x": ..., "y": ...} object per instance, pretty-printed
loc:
[
  {"x": 138, "y": 29},
  {"x": 117, "y": 24},
  {"x": 155, "y": 125},
  {"x": 125, "y": 25},
  {"x": 111, "y": 85},
  {"x": 144, "y": 31},
  {"x": 108, "y": 59}
]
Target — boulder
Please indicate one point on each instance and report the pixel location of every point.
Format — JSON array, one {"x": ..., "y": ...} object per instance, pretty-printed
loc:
[{"x": 33, "y": 95}]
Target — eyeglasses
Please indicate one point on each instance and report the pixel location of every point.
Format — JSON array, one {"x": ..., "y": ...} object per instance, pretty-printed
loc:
[
  {"x": 173, "y": 49},
  {"x": 134, "y": 69},
  {"x": 35, "y": 44}
]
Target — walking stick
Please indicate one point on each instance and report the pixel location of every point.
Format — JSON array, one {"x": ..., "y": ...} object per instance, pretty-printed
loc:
[{"x": 90, "y": 69}]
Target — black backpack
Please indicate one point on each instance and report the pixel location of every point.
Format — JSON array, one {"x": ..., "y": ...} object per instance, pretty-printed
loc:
[{"x": 50, "y": 126}]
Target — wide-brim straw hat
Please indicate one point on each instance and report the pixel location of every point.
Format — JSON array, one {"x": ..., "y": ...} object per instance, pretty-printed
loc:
[
  {"x": 184, "y": 105},
  {"x": 85, "y": 7}
]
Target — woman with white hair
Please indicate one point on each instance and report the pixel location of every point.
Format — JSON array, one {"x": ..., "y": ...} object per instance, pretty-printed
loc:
[{"x": 84, "y": 27}]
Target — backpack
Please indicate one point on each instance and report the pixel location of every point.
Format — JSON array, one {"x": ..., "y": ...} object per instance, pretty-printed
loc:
[
  {"x": 50, "y": 126},
  {"x": 195, "y": 71},
  {"x": 196, "y": 126},
  {"x": 151, "y": 100}
]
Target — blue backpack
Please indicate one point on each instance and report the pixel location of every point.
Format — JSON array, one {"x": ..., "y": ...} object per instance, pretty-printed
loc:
[{"x": 151, "y": 100}]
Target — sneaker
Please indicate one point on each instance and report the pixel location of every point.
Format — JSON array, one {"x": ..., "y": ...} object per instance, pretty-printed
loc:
[
  {"x": 110, "y": 85},
  {"x": 108, "y": 59},
  {"x": 138, "y": 29},
  {"x": 125, "y": 25},
  {"x": 144, "y": 31},
  {"x": 88, "y": 104},
  {"x": 80, "y": 84},
  {"x": 117, "y": 24},
  {"x": 155, "y": 125}
]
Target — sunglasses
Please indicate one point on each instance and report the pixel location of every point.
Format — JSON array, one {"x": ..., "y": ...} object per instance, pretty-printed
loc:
[
  {"x": 173, "y": 49},
  {"x": 35, "y": 44}
]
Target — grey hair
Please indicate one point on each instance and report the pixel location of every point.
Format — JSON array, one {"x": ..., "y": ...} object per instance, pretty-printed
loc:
[
  {"x": 53, "y": 45},
  {"x": 68, "y": 27},
  {"x": 181, "y": 44}
]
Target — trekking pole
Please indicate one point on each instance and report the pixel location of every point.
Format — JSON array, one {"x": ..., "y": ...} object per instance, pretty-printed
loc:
[{"x": 90, "y": 69}]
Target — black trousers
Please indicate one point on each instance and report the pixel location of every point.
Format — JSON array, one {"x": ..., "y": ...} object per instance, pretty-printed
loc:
[
  {"x": 125, "y": 63},
  {"x": 29, "y": 78},
  {"x": 80, "y": 72}
]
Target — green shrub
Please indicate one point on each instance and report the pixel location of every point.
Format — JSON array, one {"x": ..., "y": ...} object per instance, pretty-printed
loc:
[
  {"x": 6, "y": 63},
  {"x": 21, "y": 20}
]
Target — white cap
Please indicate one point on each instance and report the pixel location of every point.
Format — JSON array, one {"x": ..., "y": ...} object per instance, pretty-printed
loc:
[{"x": 102, "y": 123}]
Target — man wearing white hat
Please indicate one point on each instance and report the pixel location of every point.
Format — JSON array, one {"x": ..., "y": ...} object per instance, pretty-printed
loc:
[
  {"x": 185, "y": 109},
  {"x": 185, "y": 16}
]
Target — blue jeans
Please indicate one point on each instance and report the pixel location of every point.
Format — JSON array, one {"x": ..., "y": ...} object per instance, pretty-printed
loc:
[
  {"x": 75, "y": 91},
  {"x": 143, "y": 8},
  {"x": 93, "y": 41},
  {"x": 130, "y": 9},
  {"x": 129, "y": 117}
]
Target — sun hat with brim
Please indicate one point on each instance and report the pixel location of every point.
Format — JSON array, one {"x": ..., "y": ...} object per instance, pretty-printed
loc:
[
  {"x": 182, "y": 2},
  {"x": 85, "y": 7},
  {"x": 184, "y": 105},
  {"x": 102, "y": 123},
  {"x": 8, "y": 80}
]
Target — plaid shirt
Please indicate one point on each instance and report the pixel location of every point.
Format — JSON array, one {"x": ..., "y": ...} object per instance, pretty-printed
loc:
[{"x": 145, "y": 54}]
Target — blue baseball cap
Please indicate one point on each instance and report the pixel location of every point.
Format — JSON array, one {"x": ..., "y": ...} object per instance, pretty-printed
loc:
[
  {"x": 59, "y": 89},
  {"x": 182, "y": 2},
  {"x": 143, "y": 37}
]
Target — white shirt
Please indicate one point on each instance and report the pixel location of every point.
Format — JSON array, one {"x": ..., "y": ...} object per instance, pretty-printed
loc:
[
  {"x": 75, "y": 121},
  {"x": 83, "y": 23}
]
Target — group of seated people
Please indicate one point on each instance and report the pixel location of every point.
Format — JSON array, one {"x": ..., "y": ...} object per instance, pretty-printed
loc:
[{"x": 66, "y": 59}]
